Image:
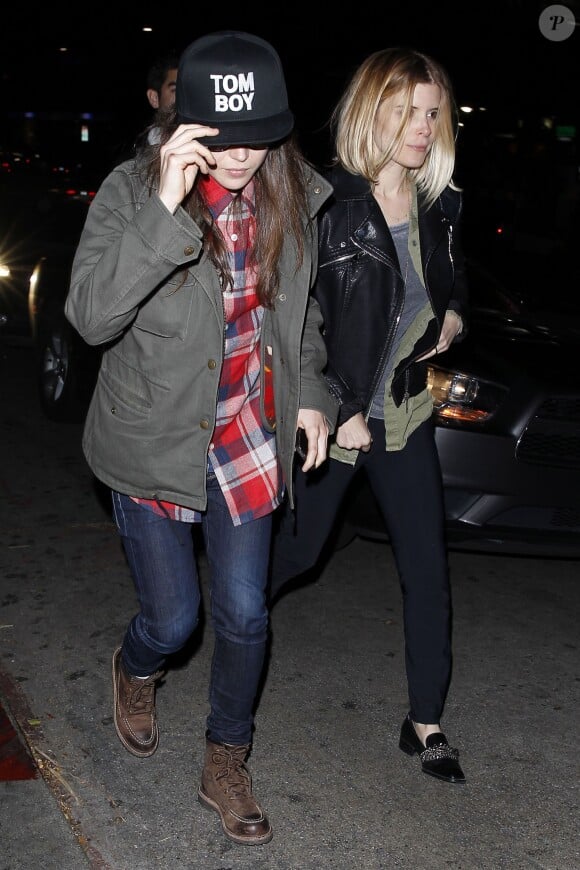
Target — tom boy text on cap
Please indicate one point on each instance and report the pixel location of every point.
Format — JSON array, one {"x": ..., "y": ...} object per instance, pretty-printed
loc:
[{"x": 234, "y": 81}]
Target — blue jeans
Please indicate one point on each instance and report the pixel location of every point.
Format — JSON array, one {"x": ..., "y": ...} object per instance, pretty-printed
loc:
[
  {"x": 408, "y": 488},
  {"x": 162, "y": 559}
]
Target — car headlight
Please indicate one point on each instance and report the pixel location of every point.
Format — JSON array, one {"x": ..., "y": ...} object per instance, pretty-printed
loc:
[
  {"x": 462, "y": 398},
  {"x": 4, "y": 270}
]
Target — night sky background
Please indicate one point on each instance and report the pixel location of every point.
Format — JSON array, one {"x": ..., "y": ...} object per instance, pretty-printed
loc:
[{"x": 495, "y": 53}]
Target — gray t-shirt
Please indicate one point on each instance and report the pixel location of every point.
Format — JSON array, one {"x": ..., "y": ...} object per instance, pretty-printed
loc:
[{"x": 415, "y": 299}]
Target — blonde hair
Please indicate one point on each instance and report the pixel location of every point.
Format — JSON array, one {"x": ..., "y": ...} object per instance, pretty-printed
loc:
[{"x": 382, "y": 75}]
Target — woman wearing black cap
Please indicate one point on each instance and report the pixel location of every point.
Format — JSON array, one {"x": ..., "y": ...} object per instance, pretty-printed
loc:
[{"x": 194, "y": 269}]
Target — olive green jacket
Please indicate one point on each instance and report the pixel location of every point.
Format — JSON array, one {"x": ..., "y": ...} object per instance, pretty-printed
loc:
[{"x": 143, "y": 286}]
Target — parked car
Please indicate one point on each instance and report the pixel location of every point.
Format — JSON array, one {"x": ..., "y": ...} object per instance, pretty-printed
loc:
[
  {"x": 507, "y": 413},
  {"x": 40, "y": 223}
]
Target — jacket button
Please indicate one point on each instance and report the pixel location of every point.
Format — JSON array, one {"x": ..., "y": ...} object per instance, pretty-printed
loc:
[
  {"x": 204, "y": 424},
  {"x": 282, "y": 297},
  {"x": 211, "y": 364},
  {"x": 113, "y": 410},
  {"x": 188, "y": 251},
  {"x": 317, "y": 189}
]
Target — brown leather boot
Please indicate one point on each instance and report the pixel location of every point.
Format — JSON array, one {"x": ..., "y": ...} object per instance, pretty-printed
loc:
[
  {"x": 226, "y": 787},
  {"x": 134, "y": 709}
]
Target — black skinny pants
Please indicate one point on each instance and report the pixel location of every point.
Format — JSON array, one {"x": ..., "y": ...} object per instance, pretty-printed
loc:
[{"x": 408, "y": 489}]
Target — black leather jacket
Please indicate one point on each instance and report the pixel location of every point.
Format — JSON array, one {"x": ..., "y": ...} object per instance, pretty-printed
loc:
[{"x": 361, "y": 290}]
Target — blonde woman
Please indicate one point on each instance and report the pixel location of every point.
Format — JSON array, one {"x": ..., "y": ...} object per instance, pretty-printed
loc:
[{"x": 392, "y": 292}]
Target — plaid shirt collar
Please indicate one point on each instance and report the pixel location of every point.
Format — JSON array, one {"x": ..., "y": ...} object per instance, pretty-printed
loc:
[{"x": 218, "y": 198}]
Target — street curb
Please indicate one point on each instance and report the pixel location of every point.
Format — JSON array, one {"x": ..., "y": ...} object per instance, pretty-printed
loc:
[{"x": 15, "y": 703}]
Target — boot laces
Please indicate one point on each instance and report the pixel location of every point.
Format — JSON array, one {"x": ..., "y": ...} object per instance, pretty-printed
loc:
[
  {"x": 142, "y": 694},
  {"x": 234, "y": 776}
]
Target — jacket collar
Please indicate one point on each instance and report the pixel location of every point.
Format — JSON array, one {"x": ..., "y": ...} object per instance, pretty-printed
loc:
[
  {"x": 374, "y": 232},
  {"x": 318, "y": 190},
  {"x": 348, "y": 186}
]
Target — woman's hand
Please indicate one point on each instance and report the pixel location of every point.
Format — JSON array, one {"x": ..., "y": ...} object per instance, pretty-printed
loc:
[
  {"x": 182, "y": 157},
  {"x": 452, "y": 326},
  {"x": 354, "y": 434},
  {"x": 316, "y": 428}
]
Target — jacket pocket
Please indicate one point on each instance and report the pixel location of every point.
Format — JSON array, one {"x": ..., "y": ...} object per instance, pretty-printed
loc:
[
  {"x": 125, "y": 390},
  {"x": 167, "y": 312},
  {"x": 121, "y": 401}
]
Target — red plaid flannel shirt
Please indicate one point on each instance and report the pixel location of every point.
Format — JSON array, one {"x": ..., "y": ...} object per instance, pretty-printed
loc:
[{"x": 242, "y": 453}]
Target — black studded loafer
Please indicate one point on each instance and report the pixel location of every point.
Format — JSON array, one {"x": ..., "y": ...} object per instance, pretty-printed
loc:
[{"x": 437, "y": 757}]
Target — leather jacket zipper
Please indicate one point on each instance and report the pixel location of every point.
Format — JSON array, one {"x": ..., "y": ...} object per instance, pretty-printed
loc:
[{"x": 336, "y": 260}]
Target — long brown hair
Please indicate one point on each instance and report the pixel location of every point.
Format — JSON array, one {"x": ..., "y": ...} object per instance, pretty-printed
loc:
[{"x": 281, "y": 211}]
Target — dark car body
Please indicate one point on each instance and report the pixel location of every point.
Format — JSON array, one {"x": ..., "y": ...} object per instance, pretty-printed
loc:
[{"x": 41, "y": 220}]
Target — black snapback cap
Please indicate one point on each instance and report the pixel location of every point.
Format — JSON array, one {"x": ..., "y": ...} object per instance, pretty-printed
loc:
[{"x": 234, "y": 80}]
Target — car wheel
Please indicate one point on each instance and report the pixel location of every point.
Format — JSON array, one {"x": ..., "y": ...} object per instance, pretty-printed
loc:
[{"x": 57, "y": 375}]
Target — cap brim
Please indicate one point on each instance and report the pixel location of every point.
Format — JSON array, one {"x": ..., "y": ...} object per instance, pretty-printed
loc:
[{"x": 261, "y": 131}]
